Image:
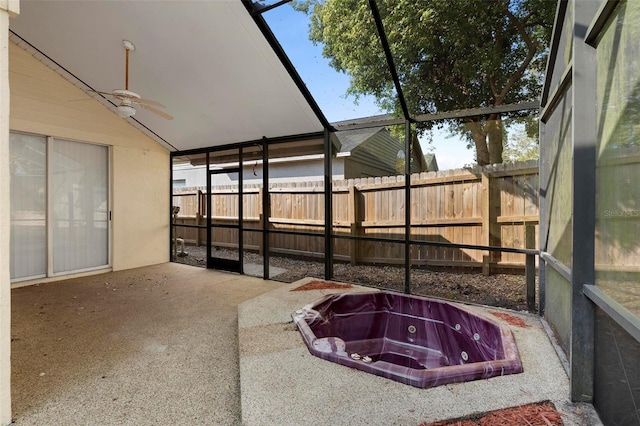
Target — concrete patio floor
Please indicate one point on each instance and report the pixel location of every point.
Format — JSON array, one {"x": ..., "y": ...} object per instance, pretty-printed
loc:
[
  {"x": 155, "y": 345},
  {"x": 161, "y": 345}
]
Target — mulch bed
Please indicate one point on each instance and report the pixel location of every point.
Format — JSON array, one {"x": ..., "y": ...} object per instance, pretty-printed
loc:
[
  {"x": 321, "y": 285},
  {"x": 511, "y": 319},
  {"x": 541, "y": 414},
  {"x": 500, "y": 290}
]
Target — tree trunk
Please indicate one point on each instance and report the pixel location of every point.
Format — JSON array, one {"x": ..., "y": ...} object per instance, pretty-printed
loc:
[
  {"x": 495, "y": 136},
  {"x": 474, "y": 125}
]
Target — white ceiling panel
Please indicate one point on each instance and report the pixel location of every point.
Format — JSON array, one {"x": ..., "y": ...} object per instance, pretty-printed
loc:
[{"x": 206, "y": 61}]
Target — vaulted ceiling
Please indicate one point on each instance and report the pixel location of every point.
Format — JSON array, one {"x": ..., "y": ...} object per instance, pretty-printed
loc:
[{"x": 207, "y": 61}]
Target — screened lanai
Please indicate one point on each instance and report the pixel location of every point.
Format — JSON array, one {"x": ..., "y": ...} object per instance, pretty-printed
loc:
[
  {"x": 239, "y": 110},
  {"x": 246, "y": 91},
  {"x": 589, "y": 200},
  {"x": 315, "y": 201}
]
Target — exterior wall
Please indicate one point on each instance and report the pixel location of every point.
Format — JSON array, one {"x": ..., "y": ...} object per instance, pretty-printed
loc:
[
  {"x": 42, "y": 102},
  {"x": 6, "y": 8},
  {"x": 299, "y": 171},
  {"x": 377, "y": 156},
  {"x": 140, "y": 220},
  {"x": 356, "y": 168},
  {"x": 194, "y": 177}
]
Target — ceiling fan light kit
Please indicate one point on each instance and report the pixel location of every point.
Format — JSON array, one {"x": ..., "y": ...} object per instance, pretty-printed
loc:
[{"x": 126, "y": 111}]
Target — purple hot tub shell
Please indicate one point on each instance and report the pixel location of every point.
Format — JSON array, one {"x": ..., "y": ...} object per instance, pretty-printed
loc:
[{"x": 414, "y": 340}]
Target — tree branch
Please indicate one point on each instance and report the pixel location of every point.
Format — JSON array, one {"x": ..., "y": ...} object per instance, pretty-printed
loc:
[
  {"x": 494, "y": 87},
  {"x": 532, "y": 47}
]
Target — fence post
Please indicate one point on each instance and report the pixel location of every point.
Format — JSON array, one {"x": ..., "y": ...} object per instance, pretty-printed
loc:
[
  {"x": 530, "y": 267},
  {"x": 486, "y": 224},
  {"x": 354, "y": 214},
  {"x": 490, "y": 226},
  {"x": 352, "y": 227},
  {"x": 198, "y": 215}
]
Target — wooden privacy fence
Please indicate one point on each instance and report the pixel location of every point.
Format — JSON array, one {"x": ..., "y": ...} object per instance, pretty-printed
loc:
[{"x": 490, "y": 206}]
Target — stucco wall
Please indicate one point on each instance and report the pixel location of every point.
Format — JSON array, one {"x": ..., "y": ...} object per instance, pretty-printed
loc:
[
  {"x": 140, "y": 222},
  {"x": 42, "y": 102},
  {"x": 5, "y": 221}
]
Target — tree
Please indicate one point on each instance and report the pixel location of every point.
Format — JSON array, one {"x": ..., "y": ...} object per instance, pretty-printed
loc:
[
  {"x": 521, "y": 147},
  {"x": 450, "y": 55}
]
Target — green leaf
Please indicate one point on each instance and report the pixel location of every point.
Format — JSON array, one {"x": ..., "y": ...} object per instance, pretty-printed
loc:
[{"x": 449, "y": 54}]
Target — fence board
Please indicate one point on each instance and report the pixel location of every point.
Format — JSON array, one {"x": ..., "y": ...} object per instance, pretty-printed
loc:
[{"x": 455, "y": 206}]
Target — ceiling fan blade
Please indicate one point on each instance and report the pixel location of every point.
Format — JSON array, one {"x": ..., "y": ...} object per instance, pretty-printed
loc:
[
  {"x": 142, "y": 101},
  {"x": 158, "y": 112},
  {"x": 82, "y": 100},
  {"x": 101, "y": 93},
  {"x": 118, "y": 94}
]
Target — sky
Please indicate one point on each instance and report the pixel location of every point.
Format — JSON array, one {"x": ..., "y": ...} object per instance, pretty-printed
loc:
[{"x": 328, "y": 86}]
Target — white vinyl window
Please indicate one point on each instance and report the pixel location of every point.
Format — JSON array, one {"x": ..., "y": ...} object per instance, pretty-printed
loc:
[{"x": 59, "y": 206}]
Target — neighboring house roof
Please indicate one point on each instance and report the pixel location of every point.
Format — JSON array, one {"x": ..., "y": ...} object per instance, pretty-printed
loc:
[
  {"x": 352, "y": 139},
  {"x": 430, "y": 161},
  {"x": 376, "y": 146}
]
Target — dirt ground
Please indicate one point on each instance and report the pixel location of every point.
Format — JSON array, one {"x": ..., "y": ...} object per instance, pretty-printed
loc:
[{"x": 500, "y": 290}]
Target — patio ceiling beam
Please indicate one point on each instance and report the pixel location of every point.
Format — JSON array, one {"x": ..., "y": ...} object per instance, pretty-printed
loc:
[
  {"x": 472, "y": 112},
  {"x": 388, "y": 120},
  {"x": 387, "y": 53},
  {"x": 230, "y": 160},
  {"x": 277, "y": 140},
  {"x": 369, "y": 122}
]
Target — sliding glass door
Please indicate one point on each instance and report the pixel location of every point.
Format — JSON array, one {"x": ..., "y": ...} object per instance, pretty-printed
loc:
[
  {"x": 28, "y": 164},
  {"x": 59, "y": 207},
  {"x": 79, "y": 207}
]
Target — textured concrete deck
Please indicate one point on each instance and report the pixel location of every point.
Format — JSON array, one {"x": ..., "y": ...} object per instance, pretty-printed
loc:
[
  {"x": 283, "y": 384},
  {"x": 148, "y": 346},
  {"x": 159, "y": 345}
]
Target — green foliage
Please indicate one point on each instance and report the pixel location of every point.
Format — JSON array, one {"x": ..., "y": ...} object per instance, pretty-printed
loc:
[
  {"x": 450, "y": 54},
  {"x": 521, "y": 147}
]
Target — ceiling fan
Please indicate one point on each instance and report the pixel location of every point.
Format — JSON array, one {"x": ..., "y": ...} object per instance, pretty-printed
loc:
[{"x": 126, "y": 99}]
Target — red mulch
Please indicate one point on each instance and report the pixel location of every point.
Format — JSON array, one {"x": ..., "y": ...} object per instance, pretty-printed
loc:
[
  {"x": 543, "y": 414},
  {"x": 511, "y": 319},
  {"x": 321, "y": 285}
]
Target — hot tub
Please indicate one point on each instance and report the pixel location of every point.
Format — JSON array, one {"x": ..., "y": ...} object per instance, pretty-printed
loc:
[{"x": 414, "y": 340}]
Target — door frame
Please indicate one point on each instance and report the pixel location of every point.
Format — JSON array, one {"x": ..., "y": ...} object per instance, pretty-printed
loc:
[{"x": 213, "y": 262}]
